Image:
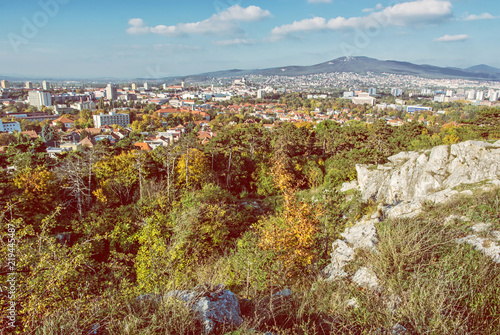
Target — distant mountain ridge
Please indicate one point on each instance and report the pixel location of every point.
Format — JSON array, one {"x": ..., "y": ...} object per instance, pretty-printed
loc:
[{"x": 362, "y": 65}]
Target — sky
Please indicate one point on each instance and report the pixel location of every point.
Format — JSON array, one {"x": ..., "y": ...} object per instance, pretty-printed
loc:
[{"x": 161, "y": 38}]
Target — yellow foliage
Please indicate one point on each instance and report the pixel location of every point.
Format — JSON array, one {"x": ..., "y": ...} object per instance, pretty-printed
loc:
[
  {"x": 291, "y": 233},
  {"x": 197, "y": 168},
  {"x": 101, "y": 197}
]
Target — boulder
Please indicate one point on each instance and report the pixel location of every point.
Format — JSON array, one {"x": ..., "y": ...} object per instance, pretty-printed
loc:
[
  {"x": 362, "y": 235},
  {"x": 212, "y": 306},
  {"x": 366, "y": 278}
]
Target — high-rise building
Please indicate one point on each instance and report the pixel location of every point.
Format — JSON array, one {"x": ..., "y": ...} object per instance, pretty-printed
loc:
[
  {"x": 133, "y": 86},
  {"x": 111, "y": 92},
  {"x": 471, "y": 95},
  {"x": 121, "y": 119},
  {"x": 28, "y": 85},
  {"x": 39, "y": 99},
  {"x": 45, "y": 85},
  {"x": 372, "y": 91},
  {"x": 396, "y": 92},
  {"x": 494, "y": 96},
  {"x": 4, "y": 84},
  {"x": 146, "y": 86},
  {"x": 480, "y": 95}
]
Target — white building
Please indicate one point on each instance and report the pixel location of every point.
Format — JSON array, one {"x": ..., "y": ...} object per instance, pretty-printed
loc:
[
  {"x": 396, "y": 92},
  {"x": 111, "y": 92},
  {"x": 348, "y": 95},
  {"x": 45, "y": 85},
  {"x": 480, "y": 95},
  {"x": 146, "y": 86},
  {"x": 39, "y": 99},
  {"x": 4, "y": 84},
  {"x": 494, "y": 96},
  {"x": 28, "y": 85},
  {"x": 364, "y": 98},
  {"x": 9, "y": 127},
  {"x": 90, "y": 105},
  {"x": 471, "y": 95},
  {"x": 372, "y": 91},
  {"x": 121, "y": 119}
]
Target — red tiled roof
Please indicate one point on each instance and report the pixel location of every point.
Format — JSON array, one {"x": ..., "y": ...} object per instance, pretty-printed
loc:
[{"x": 143, "y": 146}]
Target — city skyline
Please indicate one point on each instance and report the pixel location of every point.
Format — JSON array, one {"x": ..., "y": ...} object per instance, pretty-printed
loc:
[{"x": 155, "y": 39}]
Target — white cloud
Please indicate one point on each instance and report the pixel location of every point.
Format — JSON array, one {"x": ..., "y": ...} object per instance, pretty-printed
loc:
[
  {"x": 236, "y": 41},
  {"x": 176, "y": 47},
  {"x": 411, "y": 13},
  {"x": 223, "y": 22},
  {"x": 137, "y": 27},
  {"x": 369, "y": 10},
  {"x": 319, "y": 1},
  {"x": 452, "y": 38},
  {"x": 484, "y": 16}
]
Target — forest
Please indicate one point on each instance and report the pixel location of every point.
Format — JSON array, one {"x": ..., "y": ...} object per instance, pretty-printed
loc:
[{"x": 255, "y": 209}]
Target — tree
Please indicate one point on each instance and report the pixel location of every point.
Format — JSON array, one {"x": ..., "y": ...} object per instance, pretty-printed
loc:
[
  {"x": 118, "y": 177},
  {"x": 38, "y": 188},
  {"x": 192, "y": 169},
  {"x": 290, "y": 234}
]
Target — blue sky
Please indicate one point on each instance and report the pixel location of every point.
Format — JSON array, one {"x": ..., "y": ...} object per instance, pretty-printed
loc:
[{"x": 158, "y": 38}]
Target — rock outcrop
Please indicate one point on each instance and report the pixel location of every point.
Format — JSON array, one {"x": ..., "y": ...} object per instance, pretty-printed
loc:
[{"x": 413, "y": 177}]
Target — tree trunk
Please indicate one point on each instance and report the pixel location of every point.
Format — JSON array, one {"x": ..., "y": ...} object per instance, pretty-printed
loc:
[{"x": 229, "y": 168}]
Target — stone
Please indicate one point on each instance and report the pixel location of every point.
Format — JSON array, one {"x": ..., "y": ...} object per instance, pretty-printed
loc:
[
  {"x": 495, "y": 234},
  {"x": 405, "y": 210},
  {"x": 467, "y": 192},
  {"x": 454, "y": 217},
  {"x": 398, "y": 329},
  {"x": 481, "y": 227},
  {"x": 353, "y": 303},
  {"x": 283, "y": 293},
  {"x": 484, "y": 245},
  {"x": 365, "y": 277},
  {"x": 341, "y": 255},
  {"x": 347, "y": 186},
  {"x": 212, "y": 306},
  {"x": 361, "y": 235}
]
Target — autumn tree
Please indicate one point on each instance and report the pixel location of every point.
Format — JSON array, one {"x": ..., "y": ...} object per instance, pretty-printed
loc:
[{"x": 290, "y": 233}]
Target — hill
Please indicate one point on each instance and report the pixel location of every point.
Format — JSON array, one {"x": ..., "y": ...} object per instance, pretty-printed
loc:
[{"x": 361, "y": 65}]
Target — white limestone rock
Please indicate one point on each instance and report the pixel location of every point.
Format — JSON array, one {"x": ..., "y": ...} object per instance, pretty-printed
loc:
[
  {"x": 412, "y": 176},
  {"x": 481, "y": 227},
  {"x": 347, "y": 186},
  {"x": 341, "y": 255},
  {"x": 218, "y": 306},
  {"x": 366, "y": 278},
  {"x": 353, "y": 303},
  {"x": 488, "y": 247},
  {"x": 362, "y": 235}
]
